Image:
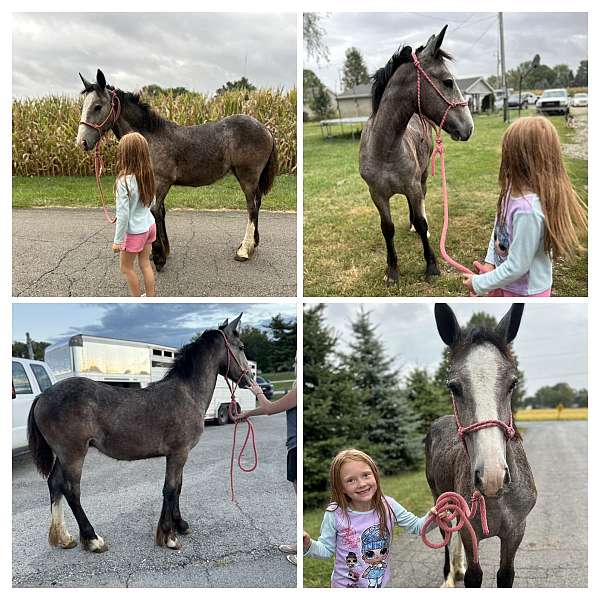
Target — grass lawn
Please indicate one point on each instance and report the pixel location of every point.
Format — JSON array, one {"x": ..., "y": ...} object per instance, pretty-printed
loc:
[
  {"x": 80, "y": 192},
  {"x": 344, "y": 250},
  {"x": 281, "y": 381},
  {"x": 410, "y": 489},
  {"x": 552, "y": 414}
]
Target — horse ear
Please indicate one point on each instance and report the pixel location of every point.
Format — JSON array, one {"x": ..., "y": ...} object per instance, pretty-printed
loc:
[
  {"x": 509, "y": 325},
  {"x": 440, "y": 38},
  {"x": 100, "y": 80},
  {"x": 235, "y": 324},
  {"x": 447, "y": 325},
  {"x": 86, "y": 84},
  {"x": 224, "y": 324}
]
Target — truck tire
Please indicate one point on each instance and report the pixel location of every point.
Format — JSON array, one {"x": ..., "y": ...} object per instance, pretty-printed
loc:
[{"x": 223, "y": 414}]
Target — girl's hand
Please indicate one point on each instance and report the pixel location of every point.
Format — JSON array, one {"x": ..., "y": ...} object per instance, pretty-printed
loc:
[
  {"x": 116, "y": 248},
  {"x": 256, "y": 389},
  {"x": 483, "y": 267},
  {"x": 306, "y": 541},
  {"x": 468, "y": 283},
  {"x": 442, "y": 515}
]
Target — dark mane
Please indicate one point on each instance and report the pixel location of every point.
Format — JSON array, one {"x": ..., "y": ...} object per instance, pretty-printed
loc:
[
  {"x": 187, "y": 357},
  {"x": 480, "y": 335},
  {"x": 383, "y": 75},
  {"x": 150, "y": 120}
]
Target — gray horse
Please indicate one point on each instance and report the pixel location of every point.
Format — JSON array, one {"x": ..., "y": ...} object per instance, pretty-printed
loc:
[
  {"x": 194, "y": 156},
  {"x": 164, "y": 419},
  {"x": 491, "y": 459},
  {"x": 395, "y": 147}
]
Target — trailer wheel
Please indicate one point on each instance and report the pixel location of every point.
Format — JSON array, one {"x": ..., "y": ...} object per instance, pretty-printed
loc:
[{"x": 223, "y": 414}]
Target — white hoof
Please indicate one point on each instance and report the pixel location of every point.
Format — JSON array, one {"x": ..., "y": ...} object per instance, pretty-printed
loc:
[
  {"x": 97, "y": 545},
  {"x": 173, "y": 543},
  {"x": 449, "y": 583}
]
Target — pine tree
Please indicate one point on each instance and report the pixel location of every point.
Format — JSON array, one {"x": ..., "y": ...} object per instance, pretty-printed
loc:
[
  {"x": 355, "y": 71},
  {"x": 427, "y": 398},
  {"x": 389, "y": 424},
  {"x": 283, "y": 334}
]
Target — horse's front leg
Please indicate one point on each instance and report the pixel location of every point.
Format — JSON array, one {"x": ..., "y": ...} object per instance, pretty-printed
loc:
[
  {"x": 166, "y": 531},
  {"x": 417, "y": 202},
  {"x": 181, "y": 525},
  {"x": 382, "y": 202},
  {"x": 508, "y": 548},
  {"x": 473, "y": 574},
  {"x": 160, "y": 247}
]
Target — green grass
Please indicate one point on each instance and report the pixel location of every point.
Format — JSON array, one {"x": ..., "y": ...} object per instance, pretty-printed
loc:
[
  {"x": 281, "y": 380},
  {"x": 80, "y": 192},
  {"x": 344, "y": 250},
  {"x": 410, "y": 489}
]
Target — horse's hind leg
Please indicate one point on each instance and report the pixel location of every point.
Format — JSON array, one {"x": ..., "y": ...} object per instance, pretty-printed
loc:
[
  {"x": 169, "y": 517},
  {"x": 248, "y": 180},
  {"x": 160, "y": 247},
  {"x": 508, "y": 548},
  {"x": 181, "y": 525},
  {"x": 58, "y": 535},
  {"x": 71, "y": 479},
  {"x": 454, "y": 565},
  {"x": 417, "y": 202},
  {"x": 387, "y": 228}
]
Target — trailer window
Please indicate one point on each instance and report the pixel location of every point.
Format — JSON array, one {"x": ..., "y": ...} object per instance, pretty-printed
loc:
[
  {"x": 113, "y": 359},
  {"x": 20, "y": 379}
]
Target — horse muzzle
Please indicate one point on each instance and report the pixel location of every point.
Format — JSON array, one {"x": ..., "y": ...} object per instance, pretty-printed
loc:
[{"x": 492, "y": 482}]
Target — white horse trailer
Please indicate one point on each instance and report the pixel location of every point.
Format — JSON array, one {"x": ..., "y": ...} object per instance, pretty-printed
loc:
[{"x": 132, "y": 364}]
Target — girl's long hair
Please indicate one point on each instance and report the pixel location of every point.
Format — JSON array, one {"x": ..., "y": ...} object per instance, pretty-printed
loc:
[
  {"x": 532, "y": 160},
  {"x": 339, "y": 498},
  {"x": 133, "y": 158}
]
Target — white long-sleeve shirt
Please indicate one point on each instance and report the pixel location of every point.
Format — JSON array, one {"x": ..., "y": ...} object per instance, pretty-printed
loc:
[{"x": 132, "y": 216}]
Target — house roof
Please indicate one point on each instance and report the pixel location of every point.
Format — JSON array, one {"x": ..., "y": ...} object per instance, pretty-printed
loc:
[
  {"x": 466, "y": 83},
  {"x": 358, "y": 91}
]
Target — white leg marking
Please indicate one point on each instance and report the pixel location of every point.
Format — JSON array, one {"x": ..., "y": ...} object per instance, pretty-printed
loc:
[
  {"x": 246, "y": 248},
  {"x": 97, "y": 545},
  {"x": 58, "y": 534}
]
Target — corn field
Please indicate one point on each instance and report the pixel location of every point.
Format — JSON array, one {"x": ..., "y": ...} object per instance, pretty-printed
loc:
[{"x": 44, "y": 129}]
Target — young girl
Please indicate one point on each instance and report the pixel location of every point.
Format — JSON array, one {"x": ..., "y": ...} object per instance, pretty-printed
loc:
[
  {"x": 537, "y": 218},
  {"x": 134, "y": 192},
  {"x": 357, "y": 526}
]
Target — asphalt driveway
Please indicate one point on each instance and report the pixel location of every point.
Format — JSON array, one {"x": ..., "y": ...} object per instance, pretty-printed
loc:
[{"x": 67, "y": 252}]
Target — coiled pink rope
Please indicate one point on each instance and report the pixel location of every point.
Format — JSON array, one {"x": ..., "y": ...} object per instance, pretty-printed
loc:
[{"x": 450, "y": 506}]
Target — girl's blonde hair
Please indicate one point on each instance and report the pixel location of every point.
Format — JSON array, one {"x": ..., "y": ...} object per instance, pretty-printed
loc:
[
  {"x": 532, "y": 160},
  {"x": 133, "y": 158},
  {"x": 341, "y": 500}
]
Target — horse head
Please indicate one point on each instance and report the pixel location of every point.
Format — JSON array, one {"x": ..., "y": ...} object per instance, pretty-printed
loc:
[
  {"x": 234, "y": 363},
  {"x": 482, "y": 375},
  {"x": 98, "y": 113},
  {"x": 458, "y": 122}
]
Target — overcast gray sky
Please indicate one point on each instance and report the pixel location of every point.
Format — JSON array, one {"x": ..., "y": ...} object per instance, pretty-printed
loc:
[
  {"x": 167, "y": 324},
  {"x": 551, "y": 344},
  {"x": 471, "y": 38},
  {"x": 199, "y": 51}
]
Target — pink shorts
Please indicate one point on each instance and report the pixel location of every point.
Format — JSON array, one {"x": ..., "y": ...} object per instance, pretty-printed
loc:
[
  {"x": 507, "y": 294},
  {"x": 135, "y": 242}
]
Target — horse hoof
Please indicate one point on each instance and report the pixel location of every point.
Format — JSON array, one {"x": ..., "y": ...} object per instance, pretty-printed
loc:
[
  {"x": 243, "y": 254},
  {"x": 97, "y": 545},
  {"x": 240, "y": 258},
  {"x": 432, "y": 271},
  {"x": 391, "y": 280},
  {"x": 173, "y": 543},
  {"x": 68, "y": 545}
]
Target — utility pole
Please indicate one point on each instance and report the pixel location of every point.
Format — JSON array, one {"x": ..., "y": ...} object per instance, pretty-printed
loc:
[
  {"x": 503, "y": 66},
  {"x": 29, "y": 345}
]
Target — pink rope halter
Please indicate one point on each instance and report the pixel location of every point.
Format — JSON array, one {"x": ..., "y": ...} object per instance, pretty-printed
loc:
[
  {"x": 233, "y": 415},
  {"x": 439, "y": 150},
  {"x": 115, "y": 113}
]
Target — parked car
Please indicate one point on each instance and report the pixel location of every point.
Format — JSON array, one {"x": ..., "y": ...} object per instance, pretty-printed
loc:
[
  {"x": 554, "y": 102},
  {"x": 514, "y": 101},
  {"x": 29, "y": 379},
  {"x": 580, "y": 99},
  {"x": 266, "y": 386}
]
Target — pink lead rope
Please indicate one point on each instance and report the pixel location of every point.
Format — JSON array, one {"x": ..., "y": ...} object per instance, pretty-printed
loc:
[
  {"x": 233, "y": 414},
  {"x": 439, "y": 150}
]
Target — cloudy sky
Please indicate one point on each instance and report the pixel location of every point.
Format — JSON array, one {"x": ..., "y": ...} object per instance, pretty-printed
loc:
[
  {"x": 166, "y": 324},
  {"x": 551, "y": 344},
  {"x": 199, "y": 51},
  {"x": 471, "y": 38}
]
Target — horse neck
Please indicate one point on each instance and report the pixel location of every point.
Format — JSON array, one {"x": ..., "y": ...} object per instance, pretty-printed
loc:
[
  {"x": 397, "y": 106},
  {"x": 129, "y": 120}
]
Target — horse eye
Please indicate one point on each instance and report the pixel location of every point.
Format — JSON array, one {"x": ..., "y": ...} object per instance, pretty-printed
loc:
[
  {"x": 448, "y": 83},
  {"x": 97, "y": 107},
  {"x": 455, "y": 388},
  {"x": 513, "y": 385}
]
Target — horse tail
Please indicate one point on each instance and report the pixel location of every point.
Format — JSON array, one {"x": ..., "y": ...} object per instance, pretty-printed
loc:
[
  {"x": 42, "y": 454},
  {"x": 265, "y": 182}
]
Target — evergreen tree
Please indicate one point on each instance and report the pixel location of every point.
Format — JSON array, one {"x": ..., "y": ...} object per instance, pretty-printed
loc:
[
  {"x": 238, "y": 84},
  {"x": 581, "y": 78},
  {"x": 331, "y": 418},
  {"x": 258, "y": 347},
  {"x": 355, "y": 71},
  {"x": 19, "y": 349},
  {"x": 564, "y": 76},
  {"x": 283, "y": 334},
  {"x": 428, "y": 399},
  {"x": 389, "y": 424}
]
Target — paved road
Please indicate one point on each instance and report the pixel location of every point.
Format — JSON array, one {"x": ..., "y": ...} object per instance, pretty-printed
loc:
[
  {"x": 67, "y": 252},
  {"x": 554, "y": 550},
  {"x": 229, "y": 546}
]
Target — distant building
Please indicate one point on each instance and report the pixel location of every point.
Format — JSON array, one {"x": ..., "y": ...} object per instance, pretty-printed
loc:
[
  {"x": 356, "y": 102},
  {"x": 309, "y": 113}
]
